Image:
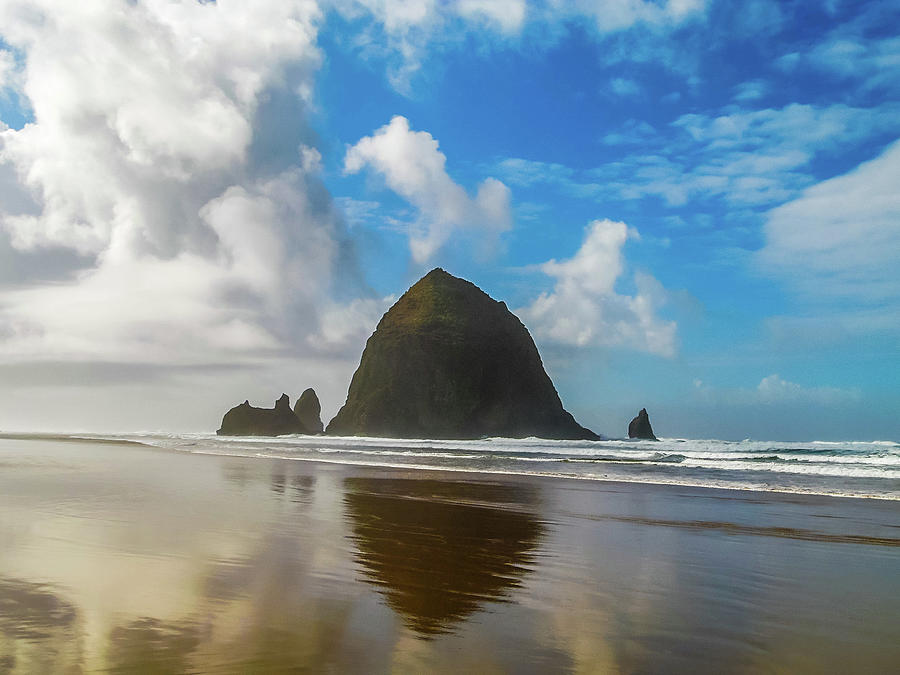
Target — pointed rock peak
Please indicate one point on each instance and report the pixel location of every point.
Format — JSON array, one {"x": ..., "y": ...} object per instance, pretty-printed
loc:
[
  {"x": 439, "y": 277},
  {"x": 283, "y": 402},
  {"x": 640, "y": 426},
  {"x": 309, "y": 410},
  {"x": 442, "y": 303}
]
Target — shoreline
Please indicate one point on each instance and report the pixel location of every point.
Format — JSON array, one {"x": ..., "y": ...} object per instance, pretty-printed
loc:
[
  {"x": 110, "y": 439},
  {"x": 536, "y": 476}
]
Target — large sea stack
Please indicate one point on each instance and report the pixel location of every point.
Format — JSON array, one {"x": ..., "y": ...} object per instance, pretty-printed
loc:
[
  {"x": 640, "y": 426},
  {"x": 448, "y": 361},
  {"x": 245, "y": 420}
]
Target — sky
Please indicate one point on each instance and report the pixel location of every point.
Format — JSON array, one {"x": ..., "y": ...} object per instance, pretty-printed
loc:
[{"x": 692, "y": 205}]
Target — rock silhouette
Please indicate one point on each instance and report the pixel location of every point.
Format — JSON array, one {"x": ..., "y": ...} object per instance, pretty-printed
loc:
[
  {"x": 245, "y": 420},
  {"x": 448, "y": 361},
  {"x": 308, "y": 410},
  {"x": 640, "y": 426}
]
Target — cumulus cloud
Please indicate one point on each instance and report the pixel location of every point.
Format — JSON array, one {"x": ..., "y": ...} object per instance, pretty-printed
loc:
[
  {"x": 140, "y": 160},
  {"x": 841, "y": 237},
  {"x": 414, "y": 167},
  {"x": 585, "y": 310}
]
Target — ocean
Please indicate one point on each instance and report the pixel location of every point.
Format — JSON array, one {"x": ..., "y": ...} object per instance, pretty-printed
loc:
[{"x": 845, "y": 468}]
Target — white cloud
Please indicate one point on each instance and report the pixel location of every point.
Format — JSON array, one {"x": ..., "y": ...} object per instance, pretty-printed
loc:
[
  {"x": 7, "y": 70},
  {"x": 774, "y": 390},
  {"x": 526, "y": 172},
  {"x": 342, "y": 323},
  {"x": 402, "y": 32},
  {"x": 856, "y": 50},
  {"x": 633, "y": 132},
  {"x": 871, "y": 62},
  {"x": 357, "y": 211},
  {"x": 584, "y": 309},
  {"x": 414, "y": 167},
  {"x": 508, "y": 15},
  {"x": 257, "y": 295},
  {"x": 140, "y": 159},
  {"x": 751, "y": 90},
  {"x": 624, "y": 87},
  {"x": 797, "y": 124},
  {"x": 133, "y": 103},
  {"x": 615, "y": 15},
  {"x": 749, "y": 158},
  {"x": 841, "y": 237},
  {"x": 398, "y": 31}
]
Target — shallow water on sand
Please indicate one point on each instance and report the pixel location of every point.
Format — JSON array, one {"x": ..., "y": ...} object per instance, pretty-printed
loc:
[{"x": 134, "y": 559}]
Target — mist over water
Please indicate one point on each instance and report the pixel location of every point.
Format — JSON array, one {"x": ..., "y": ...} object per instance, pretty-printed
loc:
[{"x": 851, "y": 468}]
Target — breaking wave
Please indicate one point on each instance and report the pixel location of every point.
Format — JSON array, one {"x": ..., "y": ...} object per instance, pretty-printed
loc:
[{"x": 852, "y": 468}]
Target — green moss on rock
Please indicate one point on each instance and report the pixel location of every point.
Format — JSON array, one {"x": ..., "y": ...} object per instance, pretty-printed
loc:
[{"x": 448, "y": 361}]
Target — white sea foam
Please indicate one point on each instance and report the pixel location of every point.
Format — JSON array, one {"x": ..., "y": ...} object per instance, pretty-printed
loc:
[{"x": 857, "y": 468}]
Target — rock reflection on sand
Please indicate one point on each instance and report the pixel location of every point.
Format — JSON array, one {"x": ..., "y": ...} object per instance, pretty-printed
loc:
[{"x": 439, "y": 550}]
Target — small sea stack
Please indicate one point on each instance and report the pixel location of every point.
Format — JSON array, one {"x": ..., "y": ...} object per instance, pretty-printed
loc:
[
  {"x": 245, "y": 420},
  {"x": 309, "y": 411},
  {"x": 640, "y": 427}
]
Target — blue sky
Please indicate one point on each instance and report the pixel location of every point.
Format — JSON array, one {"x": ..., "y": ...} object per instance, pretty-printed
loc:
[{"x": 691, "y": 204}]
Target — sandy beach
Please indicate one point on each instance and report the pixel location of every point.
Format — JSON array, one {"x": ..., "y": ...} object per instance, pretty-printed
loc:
[{"x": 126, "y": 558}]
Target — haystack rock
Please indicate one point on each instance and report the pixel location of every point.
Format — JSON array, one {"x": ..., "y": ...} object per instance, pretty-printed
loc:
[
  {"x": 309, "y": 411},
  {"x": 245, "y": 420},
  {"x": 640, "y": 426},
  {"x": 448, "y": 361}
]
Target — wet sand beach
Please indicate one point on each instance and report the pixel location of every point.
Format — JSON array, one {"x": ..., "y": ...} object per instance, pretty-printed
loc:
[{"x": 133, "y": 559}]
